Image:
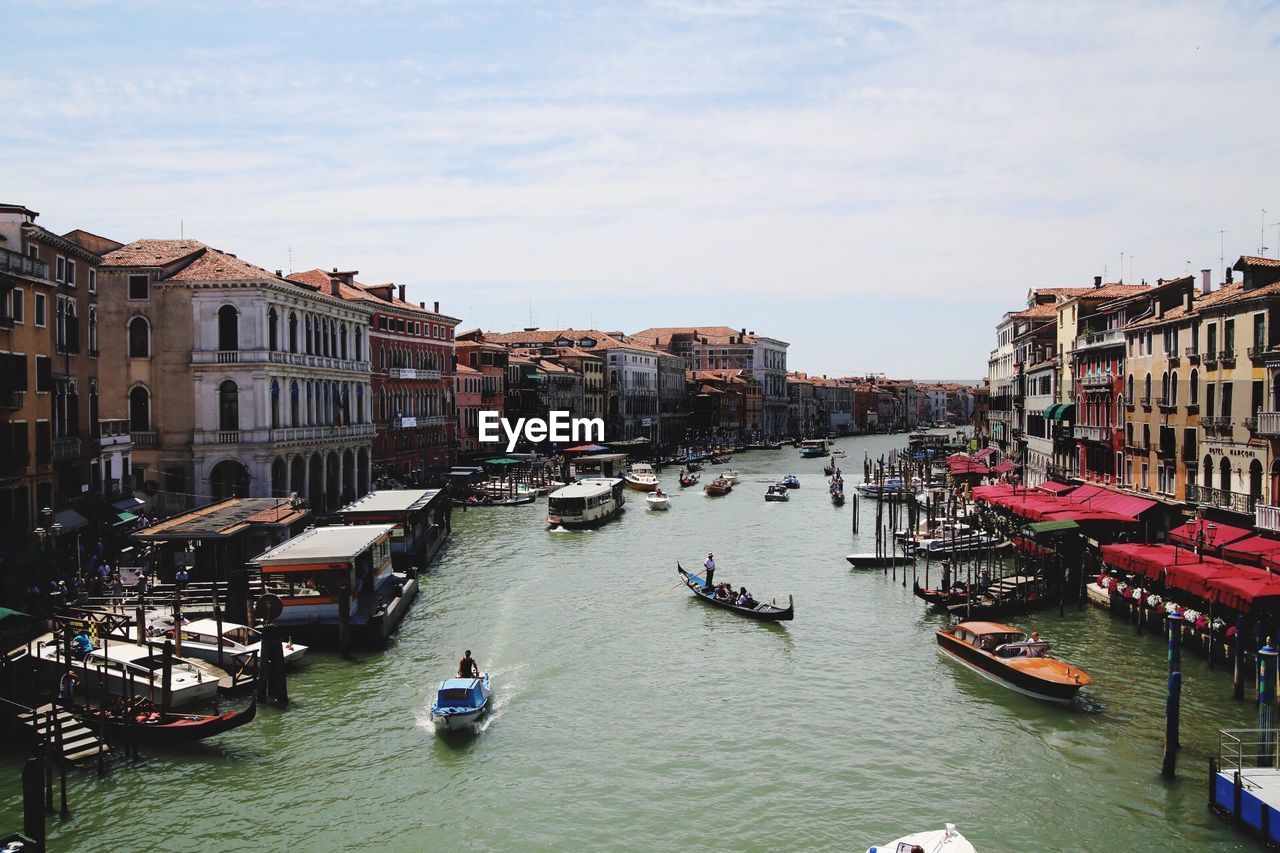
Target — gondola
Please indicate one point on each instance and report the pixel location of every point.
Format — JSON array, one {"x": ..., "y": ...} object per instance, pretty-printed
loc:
[
  {"x": 523, "y": 500},
  {"x": 149, "y": 725},
  {"x": 762, "y": 612},
  {"x": 941, "y": 599}
]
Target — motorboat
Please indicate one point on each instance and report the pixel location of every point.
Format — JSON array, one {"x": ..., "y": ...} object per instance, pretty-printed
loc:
[
  {"x": 199, "y": 640},
  {"x": 658, "y": 499},
  {"x": 837, "y": 453},
  {"x": 731, "y": 475},
  {"x": 777, "y": 492},
  {"x": 128, "y": 669},
  {"x": 641, "y": 477},
  {"x": 718, "y": 486},
  {"x": 460, "y": 703},
  {"x": 957, "y": 543},
  {"x": 752, "y": 609},
  {"x": 890, "y": 489},
  {"x": 1004, "y": 655},
  {"x": 946, "y": 840},
  {"x": 791, "y": 481},
  {"x": 932, "y": 530},
  {"x": 688, "y": 478},
  {"x": 1006, "y": 596}
]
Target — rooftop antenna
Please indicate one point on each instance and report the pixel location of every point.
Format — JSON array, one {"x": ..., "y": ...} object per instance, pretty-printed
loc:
[
  {"x": 291, "y": 259},
  {"x": 1131, "y": 278},
  {"x": 1276, "y": 225},
  {"x": 1122, "y": 267},
  {"x": 1262, "y": 235},
  {"x": 1222, "y": 250},
  {"x": 182, "y": 229}
]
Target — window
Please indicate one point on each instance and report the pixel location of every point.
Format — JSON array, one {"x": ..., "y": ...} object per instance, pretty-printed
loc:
[
  {"x": 71, "y": 273},
  {"x": 1259, "y": 332},
  {"x": 228, "y": 328},
  {"x": 273, "y": 335},
  {"x": 139, "y": 338},
  {"x": 1194, "y": 390},
  {"x": 1173, "y": 388},
  {"x": 1226, "y": 400},
  {"x": 93, "y": 330},
  {"x": 1229, "y": 338},
  {"x": 17, "y": 305},
  {"x": 139, "y": 287},
  {"x": 1210, "y": 392},
  {"x": 139, "y": 409},
  {"x": 93, "y": 280},
  {"x": 44, "y": 373},
  {"x": 41, "y": 310},
  {"x": 60, "y": 269}
]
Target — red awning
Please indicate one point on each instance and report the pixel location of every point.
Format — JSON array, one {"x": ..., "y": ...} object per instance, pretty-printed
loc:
[
  {"x": 1148, "y": 560},
  {"x": 986, "y": 493},
  {"x": 1115, "y": 502},
  {"x": 1086, "y": 491},
  {"x": 1194, "y": 577},
  {"x": 1088, "y": 515},
  {"x": 984, "y": 453},
  {"x": 1004, "y": 467},
  {"x": 1026, "y": 546},
  {"x": 1215, "y": 535},
  {"x": 1252, "y": 549},
  {"x": 1056, "y": 489},
  {"x": 1245, "y": 589}
]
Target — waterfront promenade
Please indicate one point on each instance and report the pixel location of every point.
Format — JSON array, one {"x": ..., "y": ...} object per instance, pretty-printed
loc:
[{"x": 622, "y": 712}]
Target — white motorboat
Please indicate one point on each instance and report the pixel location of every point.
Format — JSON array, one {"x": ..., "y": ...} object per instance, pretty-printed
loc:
[
  {"x": 731, "y": 475},
  {"x": 838, "y": 454},
  {"x": 200, "y": 641},
  {"x": 460, "y": 703},
  {"x": 948, "y": 840},
  {"x": 777, "y": 492},
  {"x": 975, "y": 540},
  {"x": 658, "y": 499},
  {"x": 641, "y": 477},
  {"x": 130, "y": 669}
]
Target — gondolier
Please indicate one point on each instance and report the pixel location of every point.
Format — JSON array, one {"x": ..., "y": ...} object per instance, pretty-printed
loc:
[{"x": 710, "y": 567}]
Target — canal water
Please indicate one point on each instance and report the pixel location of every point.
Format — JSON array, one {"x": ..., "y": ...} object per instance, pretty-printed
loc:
[{"x": 629, "y": 716}]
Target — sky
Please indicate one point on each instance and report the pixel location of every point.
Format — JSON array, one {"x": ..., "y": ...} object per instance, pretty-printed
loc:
[{"x": 874, "y": 182}]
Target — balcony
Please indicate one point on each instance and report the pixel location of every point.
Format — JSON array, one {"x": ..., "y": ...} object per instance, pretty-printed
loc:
[
  {"x": 1174, "y": 360},
  {"x": 143, "y": 440},
  {"x": 1217, "y": 426},
  {"x": 403, "y": 423},
  {"x": 1097, "y": 380},
  {"x": 1228, "y": 358},
  {"x": 1233, "y": 501},
  {"x": 1092, "y": 340},
  {"x": 66, "y": 448},
  {"x": 1210, "y": 361},
  {"x": 1092, "y": 433},
  {"x": 1165, "y": 404},
  {"x": 1193, "y": 355},
  {"x": 1257, "y": 353},
  {"x": 263, "y": 356},
  {"x": 1146, "y": 403},
  {"x": 1268, "y": 424},
  {"x": 23, "y": 265},
  {"x": 294, "y": 435},
  {"x": 1251, "y": 424},
  {"x": 1267, "y": 518}
]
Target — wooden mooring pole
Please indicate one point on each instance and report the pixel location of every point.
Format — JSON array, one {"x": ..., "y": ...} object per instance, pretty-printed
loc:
[
  {"x": 1173, "y": 704},
  {"x": 1237, "y": 660}
]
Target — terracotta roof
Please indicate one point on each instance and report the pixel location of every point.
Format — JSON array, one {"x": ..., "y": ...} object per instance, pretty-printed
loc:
[
  {"x": 1255, "y": 261},
  {"x": 662, "y": 335},
  {"x": 604, "y": 340},
  {"x": 319, "y": 280},
  {"x": 151, "y": 253},
  {"x": 1041, "y": 311},
  {"x": 215, "y": 265}
]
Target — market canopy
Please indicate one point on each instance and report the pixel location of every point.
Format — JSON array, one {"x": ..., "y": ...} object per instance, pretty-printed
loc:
[
  {"x": 1215, "y": 534},
  {"x": 1253, "y": 549},
  {"x": 1245, "y": 589},
  {"x": 1055, "y": 489},
  {"x": 1004, "y": 467},
  {"x": 1148, "y": 560},
  {"x": 586, "y": 448},
  {"x": 1194, "y": 577}
]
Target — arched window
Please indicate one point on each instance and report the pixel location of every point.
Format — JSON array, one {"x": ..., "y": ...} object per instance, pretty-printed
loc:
[
  {"x": 1146, "y": 389},
  {"x": 309, "y": 336},
  {"x": 359, "y": 353},
  {"x": 139, "y": 338},
  {"x": 342, "y": 340},
  {"x": 1224, "y": 476},
  {"x": 1255, "y": 480},
  {"x": 311, "y": 412},
  {"x": 1119, "y": 409},
  {"x": 139, "y": 409},
  {"x": 228, "y": 328},
  {"x": 1173, "y": 388},
  {"x": 1130, "y": 394},
  {"x": 359, "y": 404},
  {"x": 94, "y": 429},
  {"x": 93, "y": 330},
  {"x": 275, "y": 404},
  {"x": 228, "y": 406},
  {"x": 1194, "y": 389},
  {"x": 293, "y": 331},
  {"x": 295, "y": 405},
  {"x": 1208, "y": 472},
  {"x": 273, "y": 329},
  {"x": 1164, "y": 386}
]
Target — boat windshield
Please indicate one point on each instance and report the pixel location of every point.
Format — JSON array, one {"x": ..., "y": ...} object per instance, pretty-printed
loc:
[
  {"x": 457, "y": 697},
  {"x": 1026, "y": 649}
]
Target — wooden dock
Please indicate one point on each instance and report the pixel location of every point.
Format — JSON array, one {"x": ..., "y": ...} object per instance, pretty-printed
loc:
[{"x": 79, "y": 743}]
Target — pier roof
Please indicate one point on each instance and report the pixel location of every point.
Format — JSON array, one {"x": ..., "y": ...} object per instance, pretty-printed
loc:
[
  {"x": 225, "y": 519},
  {"x": 391, "y": 500},
  {"x": 325, "y": 544}
]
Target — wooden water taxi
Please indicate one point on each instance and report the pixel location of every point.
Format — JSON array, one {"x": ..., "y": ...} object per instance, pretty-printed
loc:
[
  {"x": 717, "y": 487},
  {"x": 1004, "y": 655},
  {"x": 641, "y": 477}
]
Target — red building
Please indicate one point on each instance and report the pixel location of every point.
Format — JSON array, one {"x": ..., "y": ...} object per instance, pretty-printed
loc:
[
  {"x": 485, "y": 387},
  {"x": 412, "y": 353}
]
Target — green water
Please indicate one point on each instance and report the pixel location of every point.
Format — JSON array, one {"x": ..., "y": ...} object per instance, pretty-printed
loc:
[{"x": 628, "y": 718}]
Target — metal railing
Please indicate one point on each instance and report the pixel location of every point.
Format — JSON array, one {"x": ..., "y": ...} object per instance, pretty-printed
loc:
[
  {"x": 1091, "y": 433},
  {"x": 1244, "y": 749},
  {"x": 1227, "y": 357},
  {"x": 1234, "y": 501},
  {"x": 1097, "y": 380},
  {"x": 1193, "y": 355},
  {"x": 66, "y": 448}
]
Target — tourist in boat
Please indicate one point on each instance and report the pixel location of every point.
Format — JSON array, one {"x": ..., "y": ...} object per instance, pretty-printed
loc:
[
  {"x": 467, "y": 666},
  {"x": 710, "y": 566}
]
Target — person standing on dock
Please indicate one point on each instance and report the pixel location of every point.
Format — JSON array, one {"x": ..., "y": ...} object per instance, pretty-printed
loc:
[
  {"x": 710, "y": 567},
  {"x": 467, "y": 666}
]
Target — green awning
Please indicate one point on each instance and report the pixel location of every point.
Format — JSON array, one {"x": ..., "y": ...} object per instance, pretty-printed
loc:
[
  {"x": 1051, "y": 413},
  {"x": 6, "y": 613},
  {"x": 125, "y": 517},
  {"x": 1068, "y": 412},
  {"x": 634, "y": 442},
  {"x": 1052, "y": 527},
  {"x": 503, "y": 461}
]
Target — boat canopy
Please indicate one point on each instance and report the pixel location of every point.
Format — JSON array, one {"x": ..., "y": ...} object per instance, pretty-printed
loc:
[{"x": 460, "y": 693}]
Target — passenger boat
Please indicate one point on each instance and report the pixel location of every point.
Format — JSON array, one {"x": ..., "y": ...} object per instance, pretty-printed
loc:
[
  {"x": 777, "y": 492},
  {"x": 641, "y": 477},
  {"x": 967, "y": 543},
  {"x": 1016, "y": 594},
  {"x": 837, "y": 453},
  {"x": 1004, "y": 655},
  {"x": 872, "y": 560},
  {"x": 460, "y": 703},
  {"x": 688, "y": 478},
  {"x": 200, "y": 641},
  {"x": 947, "y": 840},
  {"x": 130, "y": 669},
  {"x": 773, "y": 445},
  {"x": 757, "y": 610},
  {"x": 791, "y": 481},
  {"x": 586, "y": 503},
  {"x": 658, "y": 499},
  {"x": 143, "y": 721},
  {"x": 812, "y": 448},
  {"x": 718, "y": 486}
]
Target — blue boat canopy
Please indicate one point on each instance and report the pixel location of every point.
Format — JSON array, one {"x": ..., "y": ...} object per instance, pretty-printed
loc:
[{"x": 460, "y": 693}]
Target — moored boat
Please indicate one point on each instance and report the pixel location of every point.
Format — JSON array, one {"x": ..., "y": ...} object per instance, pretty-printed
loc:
[
  {"x": 1014, "y": 594},
  {"x": 641, "y": 477},
  {"x": 871, "y": 560},
  {"x": 941, "y": 599},
  {"x": 141, "y": 720},
  {"x": 199, "y": 640},
  {"x": 777, "y": 492},
  {"x": 946, "y": 840},
  {"x": 966, "y": 543},
  {"x": 460, "y": 703},
  {"x": 129, "y": 669},
  {"x": 752, "y": 610},
  {"x": 718, "y": 486},
  {"x": 1005, "y": 655}
]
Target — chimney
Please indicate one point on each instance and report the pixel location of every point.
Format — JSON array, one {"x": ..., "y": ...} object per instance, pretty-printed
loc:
[
  {"x": 279, "y": 273},
  {"x": 402, "y": 293},
  {"x": 1230, "y": 275},
  {"x": 436, "y": 309},
  {"x": 1097, "y": 281},
  {"x": 1206, "y": 281},
  {"x": 335, "y": 286},
  {"x": 422, "y": 305}
]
